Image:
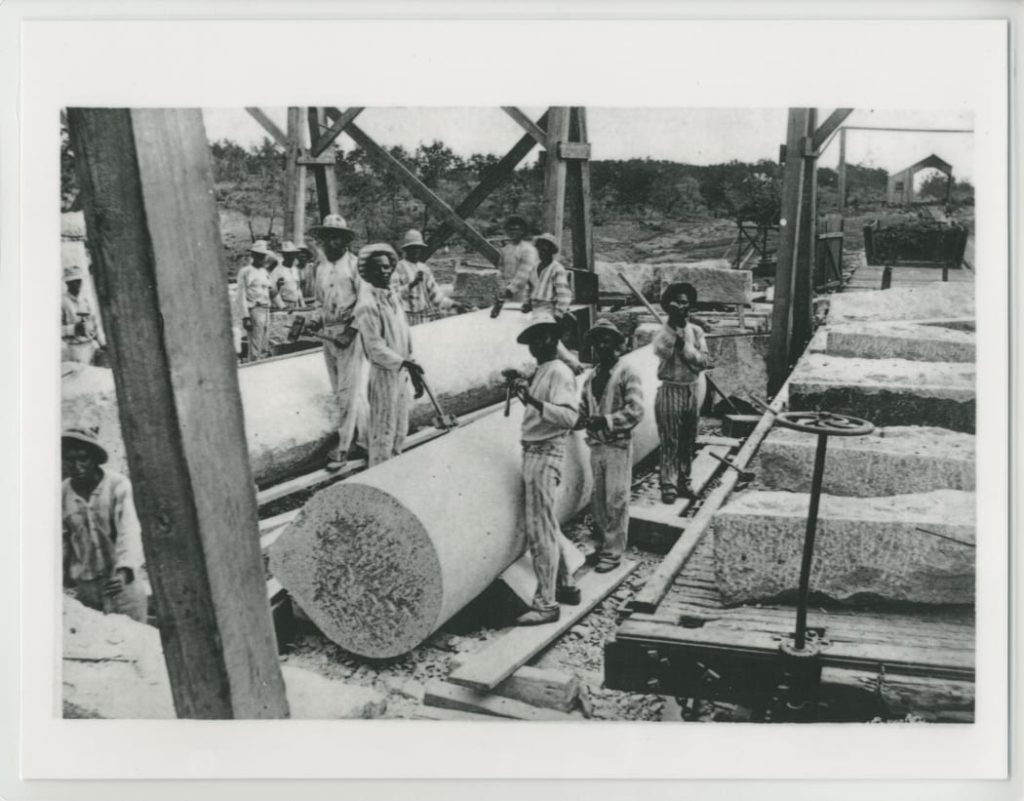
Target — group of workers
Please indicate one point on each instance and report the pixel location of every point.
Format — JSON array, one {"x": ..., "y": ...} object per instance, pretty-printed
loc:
[{"x": 364, "y": 302}]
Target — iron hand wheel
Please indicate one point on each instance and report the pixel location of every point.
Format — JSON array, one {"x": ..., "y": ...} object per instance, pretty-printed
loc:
[{"x": 831, "y": 424}]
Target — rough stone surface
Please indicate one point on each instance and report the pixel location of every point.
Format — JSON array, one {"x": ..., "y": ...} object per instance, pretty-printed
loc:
[
  {"x": 926, "y": 343},
  {"x": 933, "y": 300},
  {"x": 478, "y": 287},
  {"x": 714, "y": 280},
  {"x": 290, "y": 411},
  {"x": 891, "y": 461},
  {"x": 887, "y": 392},
  {"x": 379, "y": 561},
  {"x": 113, "y": 667},
  {"x": 866, "y": 548}
]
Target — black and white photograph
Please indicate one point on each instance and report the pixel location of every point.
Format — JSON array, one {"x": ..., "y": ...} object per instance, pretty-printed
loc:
[{"x": 665, "y": 412}]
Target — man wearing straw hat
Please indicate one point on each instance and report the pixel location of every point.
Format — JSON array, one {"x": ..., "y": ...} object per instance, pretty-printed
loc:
[
  {"x": 550, "y": 402},
  {"x": 518, "y": 254},
  {"x": 683, "y": 354},
  {"x": 337, "y": 289},
  {"x": 77, "y": 324},
  {"x": 286, "y": 280},
  {"x": 415, "y": 284},
  {"x": 381, "y": 323},
  {"x": 102, "y": 537},
  {"x": 612, "y": 405},
  {"x": 253, "y": 299}
]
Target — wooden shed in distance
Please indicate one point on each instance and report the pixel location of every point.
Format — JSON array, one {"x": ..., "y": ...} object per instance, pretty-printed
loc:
[{"x": 900, "y": 187}]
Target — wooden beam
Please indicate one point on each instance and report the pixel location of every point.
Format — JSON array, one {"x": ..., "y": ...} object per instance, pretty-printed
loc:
[
  {"x": 803, "y": 279},
  {"x": 574, "y": 151},
  {"x": 491, "y": 180},
  {"x": 555, "y": 172},
  {"x": 340, "y": 124},
  {"x": 827, "y": 129},
  {"x": 842, "y": 170},
  {"x": 450, "y": 696},
  {"x": 294, "y": 195},
  {"x": 487, "y": 668},
  {"x": 785, "y": 271},
  {"x": 268, "y": 125},
  {"x": 323, "y": 176},
  {"x": 420, "y": 190},
  {"x": 539, "y": 135},
  {"x": 147, "y": 180},
  {"x": 578, "y": 188}
]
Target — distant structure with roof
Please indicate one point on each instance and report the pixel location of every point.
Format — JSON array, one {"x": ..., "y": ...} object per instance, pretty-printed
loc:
[{"x": 900, "y": 188}]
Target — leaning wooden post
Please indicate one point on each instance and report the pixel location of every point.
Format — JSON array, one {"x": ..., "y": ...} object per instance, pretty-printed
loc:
[
  {"x": 293, "y": 192},
  {"x": 155, "y": 244},
  {"x": 555, "y": 171},
  {"x": 803, "y": 295},
  {"x": 842, "y": 170},
  {"x": 785, "y": 272}
]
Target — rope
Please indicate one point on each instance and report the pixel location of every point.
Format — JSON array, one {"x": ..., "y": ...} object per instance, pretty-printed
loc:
[{"x": 947, "y": 537}]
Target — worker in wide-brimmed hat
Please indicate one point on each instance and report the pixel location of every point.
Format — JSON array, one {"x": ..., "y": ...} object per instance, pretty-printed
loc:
[
  {"x": 415, "y": 284},
  {"x": 551, "y": 412},
  {"x": 611, "y": 406},
  {"x": 337, "y": 286},
  {"x": 254, "y": 297},
  {"x": 79, "y": 336},
  {"x": 102, "y": 538},
  {"x": 518, "y": 253},
  {"x": 286, "y": 279},
  {"x": 380, "y": 320},
  {"x": 682, "y": 352},
  {"x": 546, "y": 289}
]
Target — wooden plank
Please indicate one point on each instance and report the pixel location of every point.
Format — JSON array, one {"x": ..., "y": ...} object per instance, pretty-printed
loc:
[
  {"x": 827, "y": 129},
  {"x": 268, "y": 125},
  {"x": 537, "y": 133},
  {"x": 705, "y": 467},
  {"x": 803, "y": 277},
  {"x": 294, "y": 192},
  {"x": 451, "y": 696},
  {"x": 550, "y": 689},
  {"x": 491, "y": 180},
  {"x": 439, "y": 713},
  {"x": 708, "y": 439},
  {"x": 341, "y": 122},
  {"x": 574, "y": 151},
  {"x": 509, "y": 652},
  {"x": 664, "y": 575},
  {"x": 578, "y": 188},
  {"x": 323, "y": 176},
  {"x": 424, "y": 193},
  {"x": 146, "y": 179},
  {"x": 555, "y": 172}
]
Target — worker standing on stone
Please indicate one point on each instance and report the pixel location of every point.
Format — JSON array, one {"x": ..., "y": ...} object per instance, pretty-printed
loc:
[
  {"x": 518, "y": 254},
  {"x": 102, "y": 538},
  {"x": 253, "y": 300},
  {"x": 381, "y": 322},
  {"x": 77, "y": 324},
  {"x": 285, "y": 279},
  {"x": 612, "y": 405},
  {"x": 683, "y": 354},
  {"x": 415, "y": 284},
  {"x": 338, "y": 286},
  {"x": 551, "y": 412},
  {"x": 546, "y": 287}
]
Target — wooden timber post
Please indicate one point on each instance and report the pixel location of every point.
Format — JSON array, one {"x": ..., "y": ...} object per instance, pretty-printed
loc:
[
  {"x": 294, "y": 180},
  {"x": 789, "y": 230},
  {"x": 842, "y": 170},
  {"x": 323, "y": 174},
  {"x": 555, "y": 171},
  {"x": 579, "y": 194},
  {"x": 803, "y": 294},
  {"x": 155, "y": 243}
]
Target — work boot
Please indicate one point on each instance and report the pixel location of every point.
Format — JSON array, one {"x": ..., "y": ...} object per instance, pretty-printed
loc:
[
  {"x": 357, "y": 452},
  {"x": 570, "y": 596},
  {"x": 686, "y": 490},
  {"x": 538, "y": 617},
  {"x": 668, "y": 495},
  {"x": 592, "y": 558},
  {"x": 606, "y": 565}
]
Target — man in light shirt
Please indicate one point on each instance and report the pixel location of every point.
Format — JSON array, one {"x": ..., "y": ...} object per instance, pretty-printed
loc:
[
  {"x": 518, "y": 253},
  {"x": 79, "y": 339},
  {"x": 286, "y": 280},
  {"x": 550, "y": 402},
  {"x": 102, "y": 538},
  {"x": 414, "y": 282},
  {"x": 253, "y": 300}
]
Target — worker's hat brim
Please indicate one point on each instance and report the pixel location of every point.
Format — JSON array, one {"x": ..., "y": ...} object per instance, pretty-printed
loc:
[{"x": 84, "y": 438}]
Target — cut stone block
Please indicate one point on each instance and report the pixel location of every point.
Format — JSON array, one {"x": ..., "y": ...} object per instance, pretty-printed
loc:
[
  {"x": 714, "y": 280},
  {"x": 926, "y": 343},
  {"x": 930, "y": 301},
  {"x": 113, "y": 667},
  {"x": 887, "y": 392},
  {"x": 478, "y": 287},
  {"x": 866, "y": 549},
  {"x": 891, "y": 461}
]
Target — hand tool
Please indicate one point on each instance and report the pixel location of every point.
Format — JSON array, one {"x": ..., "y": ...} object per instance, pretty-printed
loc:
[{"x": 443, "y": 420}]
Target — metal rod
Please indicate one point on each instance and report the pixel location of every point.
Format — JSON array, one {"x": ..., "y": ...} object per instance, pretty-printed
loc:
[{"x": 812, "y": 525}]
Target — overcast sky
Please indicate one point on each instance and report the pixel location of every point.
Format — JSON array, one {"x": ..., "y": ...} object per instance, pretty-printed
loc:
[{"x": 693, "y": 136}]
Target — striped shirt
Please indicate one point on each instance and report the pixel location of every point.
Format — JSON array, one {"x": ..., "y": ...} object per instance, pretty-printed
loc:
[
  {"x": 621, "y": 404},
  {"x": 555, "y": 387},
  {"x": 426, "y": 296},
  {"x": 102, "y": 532},
  {"x": 682, "y": 353},
  {"x": 379, "y": 317},
  {"x": 548, "y": 289}
]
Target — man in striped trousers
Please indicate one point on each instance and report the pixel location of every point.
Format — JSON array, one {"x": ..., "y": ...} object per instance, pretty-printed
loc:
[
  {"x": 550, "y": 414},
  {"x": 683, "y": 354},
  {"x": 612, "y": 406}
]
